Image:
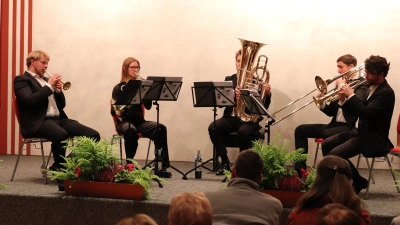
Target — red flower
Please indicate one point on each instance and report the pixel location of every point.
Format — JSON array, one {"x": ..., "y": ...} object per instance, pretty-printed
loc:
[
  {"x": 130, "y": 167},
  {"x": 302, "y": 171},
  {"x": 305, "y": 174},
  {"x": 77, "y": 171}
]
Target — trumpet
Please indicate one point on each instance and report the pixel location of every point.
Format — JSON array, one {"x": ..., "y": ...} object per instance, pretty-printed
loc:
[{"x": 66, "y": 85}]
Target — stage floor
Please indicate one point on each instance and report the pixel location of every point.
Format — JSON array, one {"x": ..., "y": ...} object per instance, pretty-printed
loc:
[{"x": 383, "y": 202}]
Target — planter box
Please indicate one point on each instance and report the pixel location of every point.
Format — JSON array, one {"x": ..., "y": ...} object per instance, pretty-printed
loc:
[
  {"x": 288, "y": 198},
  {"x": 104, "y": 190}
]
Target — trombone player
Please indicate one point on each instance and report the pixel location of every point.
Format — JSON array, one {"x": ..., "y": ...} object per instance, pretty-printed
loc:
[{"x": 342, "y": 120}]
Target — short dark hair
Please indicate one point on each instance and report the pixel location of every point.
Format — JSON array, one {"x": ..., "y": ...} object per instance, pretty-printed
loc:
[
  {"x": 348, "y": 59},
  {"x": 376, "y": 64},
  {"x": 249, "y": 165}
]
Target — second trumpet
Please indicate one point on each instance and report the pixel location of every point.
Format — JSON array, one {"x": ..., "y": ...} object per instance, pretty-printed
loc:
[{"x": 66, "y": 85}]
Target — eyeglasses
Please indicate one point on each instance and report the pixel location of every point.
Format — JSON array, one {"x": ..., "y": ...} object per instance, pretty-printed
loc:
[{"x": 135, "y": 67}]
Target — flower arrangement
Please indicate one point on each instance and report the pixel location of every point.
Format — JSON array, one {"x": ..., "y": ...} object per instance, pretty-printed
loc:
[
  {"x": 279, "y": 172},
  {"x": 94, "y": 161}
]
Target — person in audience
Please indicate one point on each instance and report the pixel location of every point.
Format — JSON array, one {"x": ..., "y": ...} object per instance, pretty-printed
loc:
[
  {"x": 336, "y": 214},
  {"x": 139, "y": 219},
  {"x": 229, "y": 122},
  {"x": 241, "y": 202},
  {"x": 190, "y": 209},
  {"x": 396, "y": 221},
  {"x": 332, "y": 185}
]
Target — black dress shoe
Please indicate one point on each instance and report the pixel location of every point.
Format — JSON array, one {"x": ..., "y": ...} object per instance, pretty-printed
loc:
[
  {"x": 60, "y": 185},
  {"x": 359, "y": 184},
  {"x": 163, "y": 173},
  {"x": 221, "y": 169}
]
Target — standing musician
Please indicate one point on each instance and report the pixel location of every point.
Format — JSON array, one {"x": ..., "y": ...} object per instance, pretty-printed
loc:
[
  {"x": 374, "y": 111},
  {"x": 342, "y": 120},
  {"x": 132, "y": 120},
  {"x": 230, "y": 123},
  {"x": 41, "y": 105}
]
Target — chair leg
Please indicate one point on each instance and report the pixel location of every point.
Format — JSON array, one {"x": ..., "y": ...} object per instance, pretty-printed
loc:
[
  {"x": 19, "y": 156},
  {"x": 372, "y": 175},
  {"x": 358, "y": 160},
  {"x": 369, "y": 177},
  {"x": 148, "y": 150},
  {"x": 393, "y": 175},
  {"x": 48, "y": 159},
  {"x": 43, "y": 167},
  {"x": 316, "y": 153}
]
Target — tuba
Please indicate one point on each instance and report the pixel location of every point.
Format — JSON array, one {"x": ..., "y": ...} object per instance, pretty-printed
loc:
[{"x": 248, "y": 77}]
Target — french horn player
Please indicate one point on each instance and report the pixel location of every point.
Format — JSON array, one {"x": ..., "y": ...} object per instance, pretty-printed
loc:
[
  {"x": 131, "y": 119},
  {"x": 232, "y": 122},
  {"x": 342, "y": 120}
]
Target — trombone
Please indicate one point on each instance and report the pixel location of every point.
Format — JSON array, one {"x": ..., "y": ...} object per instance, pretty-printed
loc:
[
  {"x": 66, "y": 85},
  {"x": 322, "y": 86}
]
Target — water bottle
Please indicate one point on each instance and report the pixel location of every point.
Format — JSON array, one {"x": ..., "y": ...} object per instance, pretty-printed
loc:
[
  {"x": 159, "y": 159},
  {"x": 197, "y": 163}
]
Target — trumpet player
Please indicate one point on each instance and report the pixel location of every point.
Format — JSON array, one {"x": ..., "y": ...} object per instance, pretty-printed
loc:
[
  {"x": 230, "y": 123},
  {"x": 342, "y": 120},
  {"x": 41, "y": 103},
  {"x": 374, "y": 111},
  {"x": 133, "y": 122}
]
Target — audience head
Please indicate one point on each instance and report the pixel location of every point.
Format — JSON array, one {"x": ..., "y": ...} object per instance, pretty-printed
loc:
[
  {"x": 248, "y": 165},
  {"x": 336, "y": 214},
  {"x": 139, "y": 219},
  {"x": 333, "y": 182},
  {"x": 190, "y": 209}
]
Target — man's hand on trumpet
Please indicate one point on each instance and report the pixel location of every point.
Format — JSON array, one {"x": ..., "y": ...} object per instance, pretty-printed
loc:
[
  {"x": 345, "y": 91},
  {"x": 55, "y": 81}
]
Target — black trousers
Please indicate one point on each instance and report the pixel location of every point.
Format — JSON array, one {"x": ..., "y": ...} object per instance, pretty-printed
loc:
[
  {"x": 57, "y": 129},
  {"x": 148, "y": 130},
  {"x": 305, "y": 131},
  {"x": 344, "y": 145},
  {"x": 226, "y": 125}
]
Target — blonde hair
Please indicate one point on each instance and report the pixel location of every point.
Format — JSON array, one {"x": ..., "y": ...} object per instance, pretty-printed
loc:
[
  {"x": 35, "y": 55},
  {"x": 124, "y": 72},
  {"x": 190, "y": 209}
]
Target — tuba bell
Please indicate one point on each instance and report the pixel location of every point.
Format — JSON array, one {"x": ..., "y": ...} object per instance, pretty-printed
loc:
[{"x": 248, "y": 77}]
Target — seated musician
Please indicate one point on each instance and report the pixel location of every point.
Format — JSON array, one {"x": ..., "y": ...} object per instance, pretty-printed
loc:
[
  {"x": 342, "y": 120},
  {"x": 230, "y": 123},
  {"x": 132, "y": 120}
]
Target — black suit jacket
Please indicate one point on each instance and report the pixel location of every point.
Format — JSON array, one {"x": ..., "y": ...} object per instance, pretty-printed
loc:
[
  {"x": 375, "y": 115},
  {"x": 351, "y": 118},
  {"x": 33, "y": 102},
  {"x": 233, "y": 78}
]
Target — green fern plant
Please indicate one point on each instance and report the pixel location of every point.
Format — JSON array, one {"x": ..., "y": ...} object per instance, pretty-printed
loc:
[
  {"x": 95, "y": 161},
  {"x": 278, "y": 160}
]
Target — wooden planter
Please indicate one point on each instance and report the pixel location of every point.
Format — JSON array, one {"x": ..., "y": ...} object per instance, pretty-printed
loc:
[
  {"x": 104, "y": 190},
  {"x": 287, "y": 198}
]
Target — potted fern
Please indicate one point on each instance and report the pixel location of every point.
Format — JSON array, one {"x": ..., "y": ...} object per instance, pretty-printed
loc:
[
  {"x": 279, "y": 177},
  {"x": 92, "y": 169}
]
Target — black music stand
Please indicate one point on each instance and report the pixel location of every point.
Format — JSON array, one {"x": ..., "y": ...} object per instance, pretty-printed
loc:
[
  {"x": 162, "y": 89},
  {"x": 254, "y": 103},
  {"x": 212, "y": 94}
]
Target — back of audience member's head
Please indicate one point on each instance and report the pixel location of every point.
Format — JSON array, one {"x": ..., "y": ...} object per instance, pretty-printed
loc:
[
  {"x": 139, "y": 219},
  {"x": 336, "y": 214},
  {"x": 248, "y": 165},
  {"x": 333, "y": 181},
  {"x": 190, "y": 208}
]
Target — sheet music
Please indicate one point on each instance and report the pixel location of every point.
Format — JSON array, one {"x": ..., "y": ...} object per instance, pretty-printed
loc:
[
  {"x": 144, "y": 88},
  {"x": 171, "y": 87}
]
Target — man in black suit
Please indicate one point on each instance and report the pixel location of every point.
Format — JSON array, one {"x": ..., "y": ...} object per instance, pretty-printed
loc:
[
  {"x": 374, "y": 112},
  {"x": 230, "y": 123},
  {"x": 41, "y": 103},
  {"x": 342, "y": 120}
]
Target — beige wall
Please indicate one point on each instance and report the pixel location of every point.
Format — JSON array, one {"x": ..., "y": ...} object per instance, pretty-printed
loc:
[{"x": 88, "y": 40}]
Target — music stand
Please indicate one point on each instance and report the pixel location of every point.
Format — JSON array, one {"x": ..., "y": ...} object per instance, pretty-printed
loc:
[
  {"x": 254, "y": 103},
  {"x": 212, "y": 94},
  {"x": 162, "y": 89}
]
